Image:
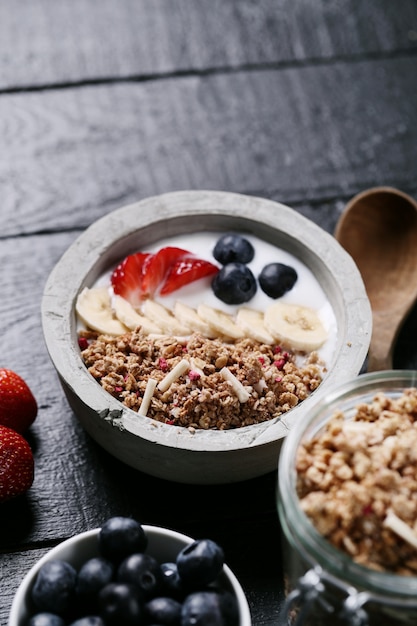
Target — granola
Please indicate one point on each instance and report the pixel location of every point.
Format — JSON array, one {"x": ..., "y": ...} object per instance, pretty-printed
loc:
[
  {"x": 198, "y": 382},
  {"x": 357, "y": 482}
]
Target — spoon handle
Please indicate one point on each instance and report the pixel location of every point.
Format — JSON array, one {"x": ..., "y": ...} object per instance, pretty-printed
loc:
[{"x": 385, "y": 328}]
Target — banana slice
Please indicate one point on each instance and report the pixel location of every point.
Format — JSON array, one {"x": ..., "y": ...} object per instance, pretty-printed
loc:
[
  {"x": 220, "y": 322},
  {"x": 127, "y": 315},
  {"x": 93, "y": 306},
  {"x": 189, "y": 317},
  {"x": 161, "y": 316},
  {"x": 298, "y": 326},
  {"x": 252, "y": 323}
]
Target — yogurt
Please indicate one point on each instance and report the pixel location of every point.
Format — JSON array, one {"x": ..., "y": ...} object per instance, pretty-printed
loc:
[{"x": 306, "y": 291}]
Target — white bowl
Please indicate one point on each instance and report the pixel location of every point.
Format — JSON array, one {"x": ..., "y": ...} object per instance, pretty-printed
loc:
[
  {"x": 167, "y": 451},
  {"x": 163, "y": 544}
]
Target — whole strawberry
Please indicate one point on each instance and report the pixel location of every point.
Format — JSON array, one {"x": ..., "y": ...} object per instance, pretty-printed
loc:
[
  {"x": 18, "y": 407},
  {"x": 16, "y": 464}
]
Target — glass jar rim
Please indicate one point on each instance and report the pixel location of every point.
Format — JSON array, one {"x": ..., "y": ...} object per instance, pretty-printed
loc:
[{"x": 314, "y": 545}]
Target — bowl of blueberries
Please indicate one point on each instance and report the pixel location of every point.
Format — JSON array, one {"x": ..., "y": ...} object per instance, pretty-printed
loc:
[
  {"x": 126, "y": 573},
  {"x": 191, "y": 330}
]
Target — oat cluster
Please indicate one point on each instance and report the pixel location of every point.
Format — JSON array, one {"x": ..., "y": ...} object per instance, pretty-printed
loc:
[
  {"x": 201, "y": 398},
  {"x": 357, "y": 482}
]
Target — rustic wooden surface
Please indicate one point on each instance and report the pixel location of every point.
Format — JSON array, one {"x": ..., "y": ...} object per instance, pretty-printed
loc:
[{"x": 104, "y": 103}]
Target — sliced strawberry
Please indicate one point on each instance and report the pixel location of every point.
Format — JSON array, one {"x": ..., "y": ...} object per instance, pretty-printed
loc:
[
  {"x": 157, "y": 267},
  {"x": 18, "y": 407},
  {"x": 127, "y": 278},
  {"x": 186, "y": 271},
  {"x": 16, "y": 464}
]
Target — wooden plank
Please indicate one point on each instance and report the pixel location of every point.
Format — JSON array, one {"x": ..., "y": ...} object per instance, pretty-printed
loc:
[
  {"x": 69, "y": 156},
  {"x": 44, "y": 42},
  {"x": 13, "y": 566}
]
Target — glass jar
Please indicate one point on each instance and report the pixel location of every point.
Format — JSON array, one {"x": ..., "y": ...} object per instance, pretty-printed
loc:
[{"x": 324, "y": 586}]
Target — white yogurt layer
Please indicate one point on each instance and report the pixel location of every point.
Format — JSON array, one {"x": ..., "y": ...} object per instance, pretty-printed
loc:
[{"x": 306, "y": 291}]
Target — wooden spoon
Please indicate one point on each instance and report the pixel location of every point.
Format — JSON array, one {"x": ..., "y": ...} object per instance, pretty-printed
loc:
[{"x": 379, "y": 230}]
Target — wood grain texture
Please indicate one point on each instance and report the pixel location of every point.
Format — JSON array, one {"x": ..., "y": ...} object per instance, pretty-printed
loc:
[
  {"x": 379, "y": 229},
  {"x": 70, "y": 156},
  {"x": 47, "y": 43}
]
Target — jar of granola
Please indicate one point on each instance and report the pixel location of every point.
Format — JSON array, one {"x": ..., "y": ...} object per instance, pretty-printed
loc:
[{"x": 347, "y": 501}]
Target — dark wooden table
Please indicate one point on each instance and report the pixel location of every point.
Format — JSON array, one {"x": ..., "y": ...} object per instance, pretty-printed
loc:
[{"x": 103, "y": 103}]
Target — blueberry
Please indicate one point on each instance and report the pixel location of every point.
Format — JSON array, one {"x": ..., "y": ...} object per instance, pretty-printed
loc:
[
  {"x": 46, "y": 619},
  {"x": 172, "y": 584},
  {"x": 120, "y": 604},
  {"x": 231, "y": 248},
  {"x": 209, "y": 608},
  {"x": 234, "y": 284},
  {"x": 120, "y": 536},
  {"x": 229, "y": 608},
  {"x": 276, "y": 279},
  {"x": 93, "y": 575},
  {"x": 163, "y": 611},
  {"x": 143, "y": 571},
  {"x": 200, "y": 563},
  {"x": 90, "y": 620},
  {"x": 54, "y": 587}
]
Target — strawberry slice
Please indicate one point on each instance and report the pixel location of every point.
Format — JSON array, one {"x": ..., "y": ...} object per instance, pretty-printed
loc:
[
  {"x": 157, "y": 267},
  {"x": 185, "y": 271},
  {"x": 127, "y": 278}
]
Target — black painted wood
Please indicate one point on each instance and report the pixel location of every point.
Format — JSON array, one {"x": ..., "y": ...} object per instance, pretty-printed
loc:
[
  {"x": 50, "y": 43},
  {"x": 70, "y": 156},
  {"x": 105, "y": 103}
]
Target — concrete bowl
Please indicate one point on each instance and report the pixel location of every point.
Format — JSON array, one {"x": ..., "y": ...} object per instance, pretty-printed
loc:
[{"x": 165, "y": 451}]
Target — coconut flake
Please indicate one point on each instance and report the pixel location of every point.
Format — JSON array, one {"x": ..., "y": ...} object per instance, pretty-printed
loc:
[
  {"x": 241, "y": 392},
  {"x": 400, "y": 528},
  {"x": 180, "y": 369},
  {"x": 147, "y": 396},
  {"x": 196, "y": 365}
]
